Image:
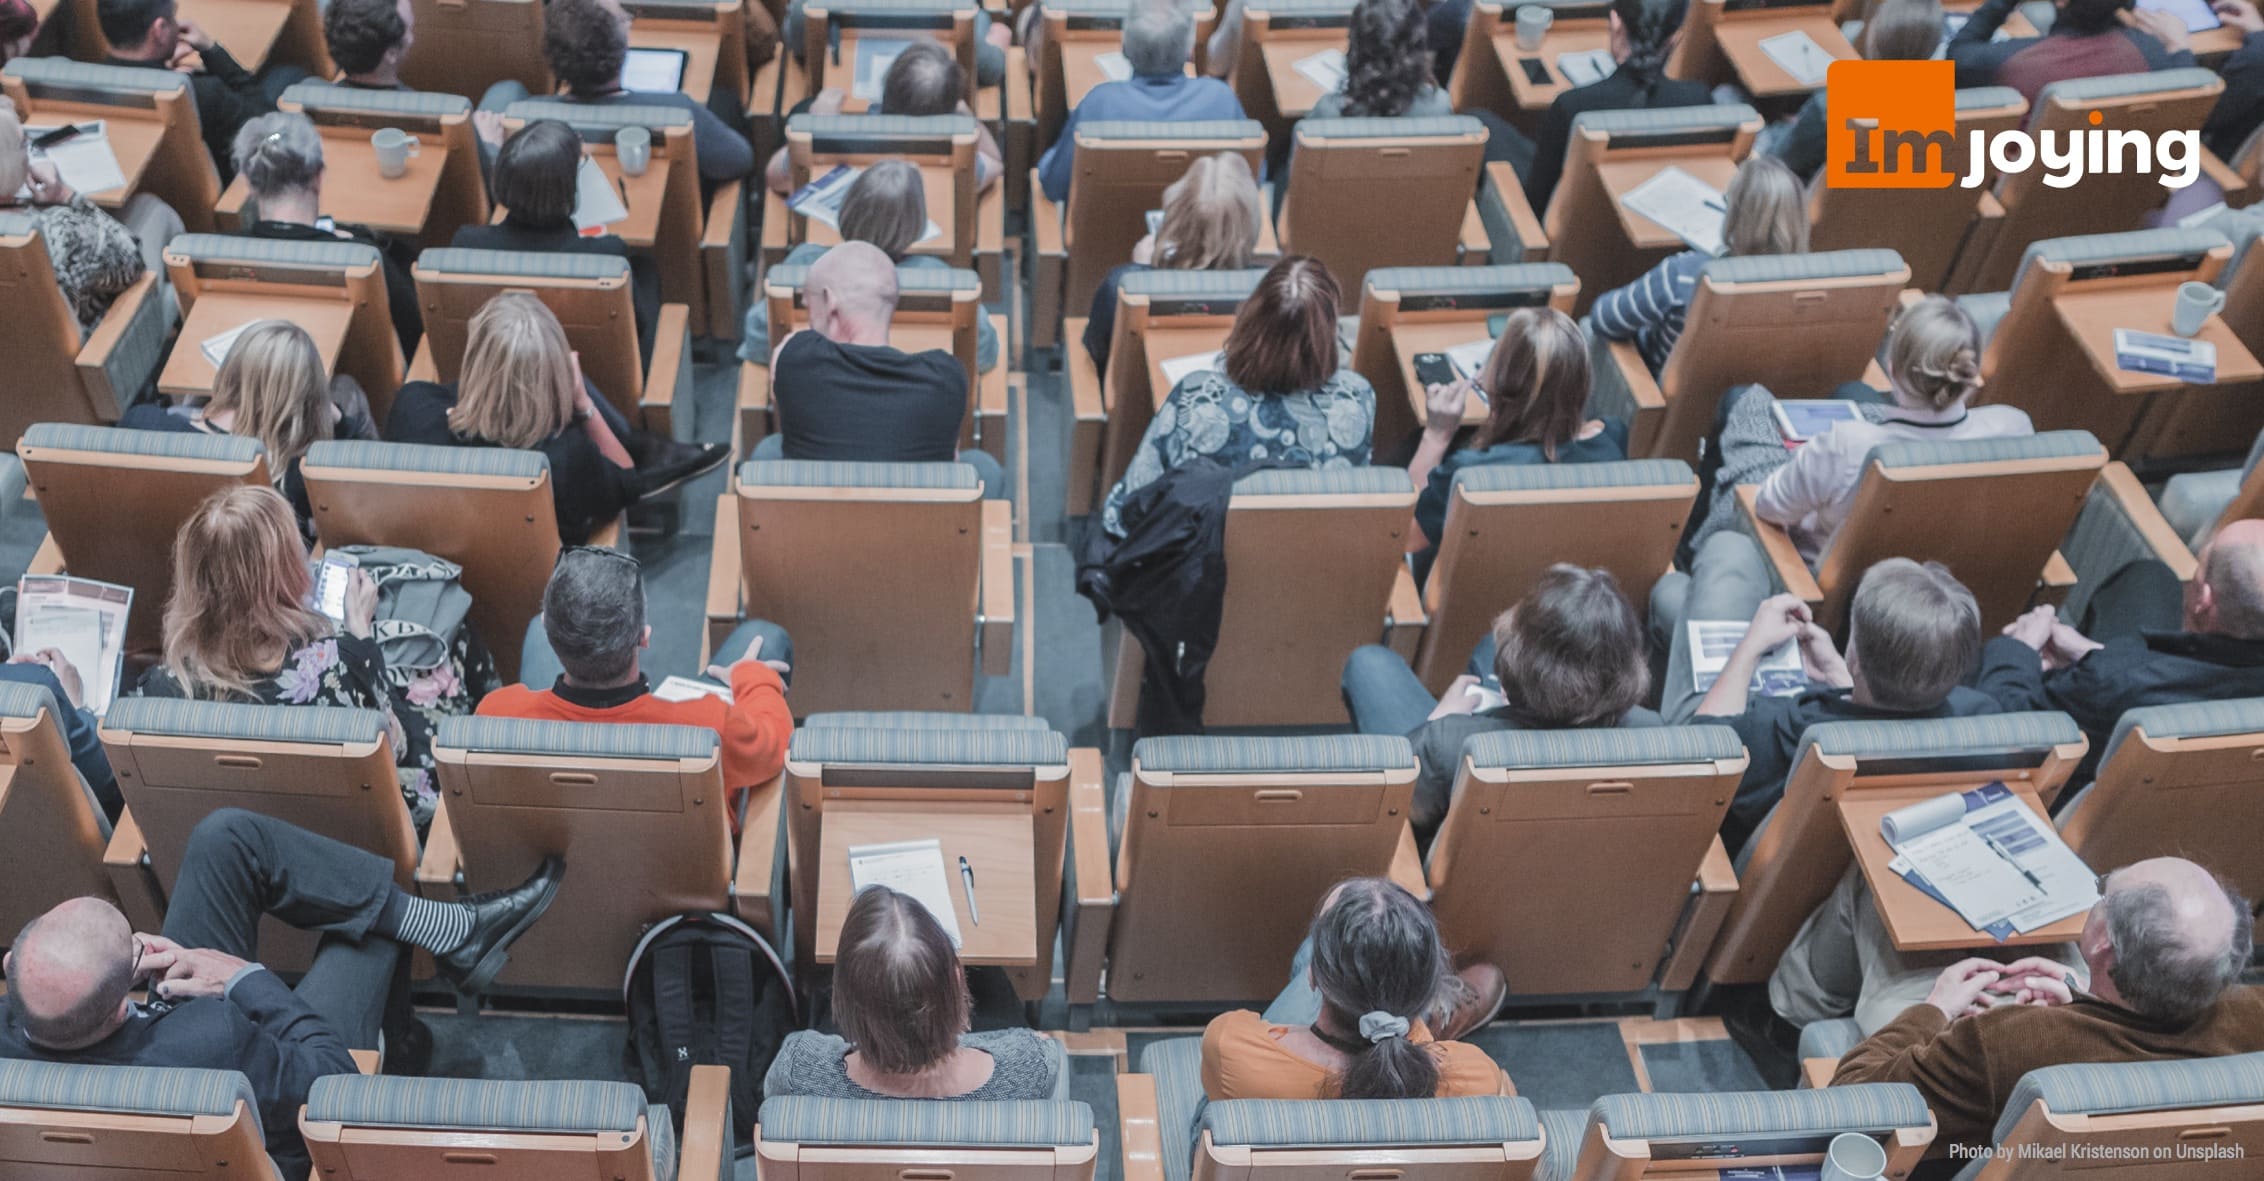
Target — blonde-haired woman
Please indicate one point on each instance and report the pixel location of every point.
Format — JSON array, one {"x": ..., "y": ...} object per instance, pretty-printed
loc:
[
  {"x": 521, "y": 387},
  {"x": 93, "y": 256},
  {"x": 1767, "y": 214},
  {"x": 1210, "y": 223},
  {"x": 238, "y": 627},
  {"x": 270, "y": 388}
]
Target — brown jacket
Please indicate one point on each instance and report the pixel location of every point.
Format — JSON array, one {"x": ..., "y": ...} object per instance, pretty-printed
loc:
[{"x": 1967, "y": 1069}]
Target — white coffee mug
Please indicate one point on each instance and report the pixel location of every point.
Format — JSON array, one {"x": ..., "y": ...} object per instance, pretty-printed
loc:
[
  {"x": 1533, "y": 23},
  {"x": 1854, "y": 1157},
  {"x": 632, "y": 146},
  {"x": 394, "y": 147},
  {"x": 2196, "y": 303}
]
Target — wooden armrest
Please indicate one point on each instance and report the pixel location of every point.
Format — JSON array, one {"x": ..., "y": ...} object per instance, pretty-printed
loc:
[
  {"x": 992, "y": 399},
  {"x": 1712, "y": 893},
  {"x": 1776, "y": 545},
  {"x": 48, "y": 559},
  {"x": 1531, "y": 238},
  {"x": 723, "y": 564},
  {"x": 125, "y": 862},
  {"x": 758, "y": 858},
  {"x": 2117, "y": 482},
  {"x": 2230, "y": 182},
  {"x": 723, "y": 262},
  {"x": 437, "y": 869},
  {"x": 126, "y": 845},
  {"x": 1816, "y": 1073},
  {"x": 1649, "y": 412},
  {"x": 1137, "y": 1130},
  {"x": 96, "y": 351},
  {"x": 671, "y": 369},
  {"x": 1094, "y": 907},
  {"x": 1405, "y": 620},
  {"x": 724, "y": 209},
  {"x": 1407, "y": 866},
  {"x": 2058, "y": 578},
  {"x": 996, "y": 594},
  {"x": 1988, "y": 208},
  {"x": 1049, "y": 268},
  {"x": 1909, "y": 296},
  {"x": 705, "y": 1149},
  {"x": 1048, "y": 220},
  {"x": 365, "y": 1061},
  {"x": 750, "y": 419},
  {"x": 1475, "y": 240},
  {"x": 1088, "y": 409}
]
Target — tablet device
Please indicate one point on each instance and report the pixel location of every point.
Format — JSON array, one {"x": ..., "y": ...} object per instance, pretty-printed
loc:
[
  {"x": 654, "y": 71},
  {"x": 2197, "y": 15}
]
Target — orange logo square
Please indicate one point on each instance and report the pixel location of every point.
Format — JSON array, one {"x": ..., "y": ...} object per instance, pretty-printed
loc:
[{"x": 1891, "y": 125}]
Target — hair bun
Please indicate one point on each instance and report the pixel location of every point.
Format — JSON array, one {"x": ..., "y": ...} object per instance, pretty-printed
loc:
[{"x": 1379, "y": 1026}]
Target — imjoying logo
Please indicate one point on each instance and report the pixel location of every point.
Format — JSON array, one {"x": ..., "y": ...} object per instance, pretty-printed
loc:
[{"x": 1893, "y": 125}]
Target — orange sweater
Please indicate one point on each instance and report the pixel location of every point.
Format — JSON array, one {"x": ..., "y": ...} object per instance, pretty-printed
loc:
[{"x": 755, "y": 725}]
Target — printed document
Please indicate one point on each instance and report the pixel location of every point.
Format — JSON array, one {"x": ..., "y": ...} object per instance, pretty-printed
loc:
[
  {"x": 1712, "y": 640},
  {"x": 1798, "y": 55},
  {"x": 1324, "y": 69},
  {"x": 909, "y": 867},
  {"x": 1176, "y": 369},
  {"x": 597, "y": 201},
  {"x": 85, "y": 161},
  {"x": 1683, "y": 205},
  {"x": 83, "y": 619},
  {"x": 1987, "y": 855}
]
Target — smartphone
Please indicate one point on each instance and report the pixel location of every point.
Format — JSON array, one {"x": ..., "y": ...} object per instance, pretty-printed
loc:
[
  {"x": 1435, "y": 369},
  {"x": 1536, "y": 71},
  {"x": 48, "y": 139},
  {"x": 336, "y": 575}
]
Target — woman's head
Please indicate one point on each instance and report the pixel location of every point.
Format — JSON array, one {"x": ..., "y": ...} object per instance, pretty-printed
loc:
[
  {"x": 1643, "y": 34},
  {"x": 888, "y": 207},
  {"x": 1571, "y": 653},
  {"x": 1387, "y": 58},
  {"x": 1378, "y": 962},
  {"x": 1903, "y": 31},
  {"x": 1768, "y": 210},
  {"x": 15, "y": 165},
  {"x": 1284, "y": 337},
  {"x": 536, "y": 172},
  {"x": 274, "y": 386},
  {"x": 1536, "y": 382},
  {"x": 923, "y": 80},
  {"x": 1210, "y": 217},
  {"x": 899, "y": 994},
  {"x": 278, "y": 153},
  {"x": 240, "y": 584},
  {"x": 1934, "y": 354},
  {"x": 516, "y": 387}
]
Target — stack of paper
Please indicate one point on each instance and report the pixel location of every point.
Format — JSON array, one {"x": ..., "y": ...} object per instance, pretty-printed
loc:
[
  {"x": 597, "y": 201},
  {"x": 1324, "y": 69},
  {"x": 1797, "y": 54},
  {"x": 1587, "y": 67},
  {"x": 874, "y": 56},
  {"x": 1683, "y": 205},
  {"x": 85, "y": 161},
  {"x": 1712, "y": 640},
  {"x": 83, "y": 619},
  {"x": 1988, "y": 856},
  {"x": 908, "y": 867}
]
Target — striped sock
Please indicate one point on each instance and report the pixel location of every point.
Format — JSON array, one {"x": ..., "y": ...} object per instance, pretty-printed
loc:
[{"x": 437, "y": 927}]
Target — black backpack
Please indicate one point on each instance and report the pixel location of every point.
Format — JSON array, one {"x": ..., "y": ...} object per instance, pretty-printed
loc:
[{"x": 706, "y": 990}]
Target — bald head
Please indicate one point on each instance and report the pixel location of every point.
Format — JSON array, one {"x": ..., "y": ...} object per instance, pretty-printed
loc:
[
  {"x": 2167, "y": 938},
  {"x": 2226, "y": 596},
  {"x": 851, "y": 293},
  {"x": 69, "y": 971}
]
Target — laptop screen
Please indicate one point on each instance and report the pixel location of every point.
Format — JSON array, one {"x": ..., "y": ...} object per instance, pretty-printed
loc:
[{"x": 653, "y": 71}]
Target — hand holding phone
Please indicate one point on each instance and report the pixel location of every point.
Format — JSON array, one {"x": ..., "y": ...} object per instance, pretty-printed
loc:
[{"x": 336, "y": 575}]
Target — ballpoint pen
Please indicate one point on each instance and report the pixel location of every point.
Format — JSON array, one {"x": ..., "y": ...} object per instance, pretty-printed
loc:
[
  {"x": 2005, "y": 853},
  {"x": 967, "y": 879}
]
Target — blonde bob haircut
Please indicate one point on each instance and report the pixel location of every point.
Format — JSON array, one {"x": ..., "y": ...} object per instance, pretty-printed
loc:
[
  {"x": 239, "y": 603},
  {"x": 517, "y": 386},
  {"x": 1210, "y": 217},
  {"x": 273, "y": 383},
  {"x": 1768, "y": 210}
]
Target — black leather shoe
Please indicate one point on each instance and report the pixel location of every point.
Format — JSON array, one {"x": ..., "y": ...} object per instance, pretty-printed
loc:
[
  {"x": 498, "y": 918},
  {"x": 669, "y": 463}
]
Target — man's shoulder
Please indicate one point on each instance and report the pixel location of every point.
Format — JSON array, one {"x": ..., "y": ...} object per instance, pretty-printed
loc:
[{"x": 518, "y": 701}]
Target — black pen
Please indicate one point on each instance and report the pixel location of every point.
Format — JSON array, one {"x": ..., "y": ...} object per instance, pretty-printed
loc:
[
  {"x": 967, "y": 879},
  {"x": 624, "y": 187}
]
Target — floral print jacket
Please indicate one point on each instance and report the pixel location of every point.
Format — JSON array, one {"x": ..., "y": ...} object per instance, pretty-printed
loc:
[{"x": 1329, "y": 427}]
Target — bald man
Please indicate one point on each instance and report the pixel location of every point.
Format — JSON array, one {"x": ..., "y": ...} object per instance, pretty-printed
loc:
[
  {"x": 2150, "y": 641},
  {"x": 2165, "y": 946},
  {"x": 840, "y": 391}
]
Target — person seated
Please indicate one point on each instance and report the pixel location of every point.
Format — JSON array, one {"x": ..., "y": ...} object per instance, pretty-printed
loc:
[
  {"x": 213, "y": 1006},
  {"x": 2089, "y": 39},
  {"x": 1933, "y": 364},
  {"x": 1279, "y": 397},
  {"x": 280, "y": 157},
  {"x": 1914, "y": 636},
  {"x": 1896, "y": 31},
  {"x": 1159, "y": 37},
  {"x": 887, "y": 206},
  {"x": 369, "y": 39},
  {"x": 1643, "y": 35},
  {"x": 272, "y": 388},
  {"x": 923, "y": 80},
  {"x": 1767, "y": 214},
  {"x": 19, "y": 23},
  {"x": 1570, "y": 655},
  {"x": 1387, "y": 67},
  {"x": 2240, "y": 109},
  {"x": 95, "y": 259},
  {"x": 237, "y": 628},
  {"x": 586, "y": 43},
  {"x": 1355, "y": 1020},
  {"x": 150, "y": 35},
  {"x": 839, "y": 390},
  {"x": 2164, "y": 947},
  {"x": 1211, "y": 218},
  {"x": 2145, "y": 640},
  {"x": 49, "y": 669},
  {"x": 535, "y": 180},
  {"x": 900, "y": 999},
  {"x": 583, "y": 657},
  {"x": 991, "y": 40},
  {"x": 521, "y": 386},
  {"x": 1535, "y": 388}
]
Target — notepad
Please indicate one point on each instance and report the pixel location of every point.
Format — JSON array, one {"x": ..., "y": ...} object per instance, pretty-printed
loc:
[
  {"x": 85, "y": 161},
  {"x": 1712, "y": 640},
  {"x": 1683, "y": 205},
  {"x": 1798, "y": 55},
  {"x": 1587, "y": 67},
  {"x": 1177, "y": 369},
  {"x": 913, "y": 868},
  {"x": 1324, "y": 69},
  {"x": 1470, "y": 358},
  {"x": 597, "y": 201},
  {"x": 676, "y": 688},
  {"x": 215, "y": 348},
  {"x": 874, "y": 56},
  {"x": 1115, "y": 65}
]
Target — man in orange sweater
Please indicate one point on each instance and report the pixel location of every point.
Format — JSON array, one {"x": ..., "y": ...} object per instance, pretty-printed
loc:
[{"x": 586, "y": 645}]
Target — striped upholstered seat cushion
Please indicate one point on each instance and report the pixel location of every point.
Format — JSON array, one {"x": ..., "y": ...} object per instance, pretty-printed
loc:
[
  {"x": 1208, "y": 754},
  {"x": 2048, "y": 445},
  {"x": 1989, "y": 736},
  {"x": 316, "y": 95},
  {"x": 1195, "y": 130},
  {"x": 90, "y": 81},
  {"x": 1553, "y": 477},
  {"x": 600, "y": 120},
  {"x": 180, "y": 717},
  {"x": 533, "y": 264},
  {"x": 1874, "y": 1107},
  {"x": 142, "y": 1090},
  {"x": 365, "y": 455},
  {"x": 2136, "y": 1086},
  {"x": 484, "y": 1104},
  {"x": 1025, "y": 1123},
  {"x": 1602, "y": 748},
  {"x": 192, "y": 445},
  {"x": 522, "y": 736},
  {"x": 1343, "y": 481},
  {"x": 19, "y": 699},
  {"x": 1402, "y": 127},
  {"x": 921, "y": 719},
  {"x": 930, "y": 746},
  {"x": 1370, "y": 1123},
  {"x": 813, "y": 473},
  {"x": 1533, "y": 279},
  {"x": 1824, "y": 264}
]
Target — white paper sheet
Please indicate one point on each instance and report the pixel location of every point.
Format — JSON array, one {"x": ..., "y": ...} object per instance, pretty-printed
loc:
[
  {"x": 1683, "y": 205},
  {"x": 1470, "y": 358},
  {"x": 1990, "y": 857},
  {"x": 1115, "y": 65},
  {"x": 1176, "y": 369},
  {"x": 909, "y": 867},
  {"x": 1324, "y": 69},
  {"x": 85, "y": 161},
  {"x": 1587, "y": 67},
  {"x": 675, "y": 688},
  {"x": 1712, "y": 640},
  {"x": 597, "y": 202},
  {"x": 83, "y": 619},
  {"x": 216, "y": 347},
  {"x": 1798, "y": 55},
  {"x": 874, "y": 56}
]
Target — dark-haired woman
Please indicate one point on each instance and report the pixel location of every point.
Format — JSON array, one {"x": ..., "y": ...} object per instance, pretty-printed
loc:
[
  {"x": 1351, "y": 1024},
  {"x": 900, "y": 998},
  {"x": 1643, "y": 34},
  {"x": 1387, "y": 66}
]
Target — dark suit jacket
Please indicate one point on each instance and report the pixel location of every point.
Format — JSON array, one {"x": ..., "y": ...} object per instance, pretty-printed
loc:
[
  {"x": 1623, "y": 91},
  {"x": 261, "y": 1028},
  {"x": 227, "y": 97},
  {"x": 2158, "y": 668},
  {"x": 79, "y": 729},
  {"x": 512, "y": 234}
]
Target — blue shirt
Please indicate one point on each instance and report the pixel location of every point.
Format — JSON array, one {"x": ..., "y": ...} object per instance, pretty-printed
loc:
[
  {"x": 79, "y": 731},
  {"x": 1145, "y": 98}
]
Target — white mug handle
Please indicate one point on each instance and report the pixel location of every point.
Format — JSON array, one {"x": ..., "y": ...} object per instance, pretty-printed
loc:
[{"x": 411, "y": 143}]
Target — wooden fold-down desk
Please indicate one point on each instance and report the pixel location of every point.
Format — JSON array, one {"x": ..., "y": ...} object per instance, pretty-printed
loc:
[
  {"x": 2092, "y": 317},
  {"x": 1170, "y": 344},
  {"x": 1411, "y": 340},
  {"x": 1623, "y": 176},
  {"x": 187, "y": 374},
  {"x": 355, "y": 193},
  {"x": 996, "y": 839},
  {"x": 1915, "y": 921},
  {"x": 1294, "y": 94}
]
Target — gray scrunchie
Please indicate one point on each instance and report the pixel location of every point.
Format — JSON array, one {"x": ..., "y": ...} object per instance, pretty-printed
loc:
[{"x": 1378, "y": 1025}]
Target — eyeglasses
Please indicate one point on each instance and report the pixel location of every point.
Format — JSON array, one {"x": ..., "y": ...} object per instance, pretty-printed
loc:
[{"x": 598, "y": 550}]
